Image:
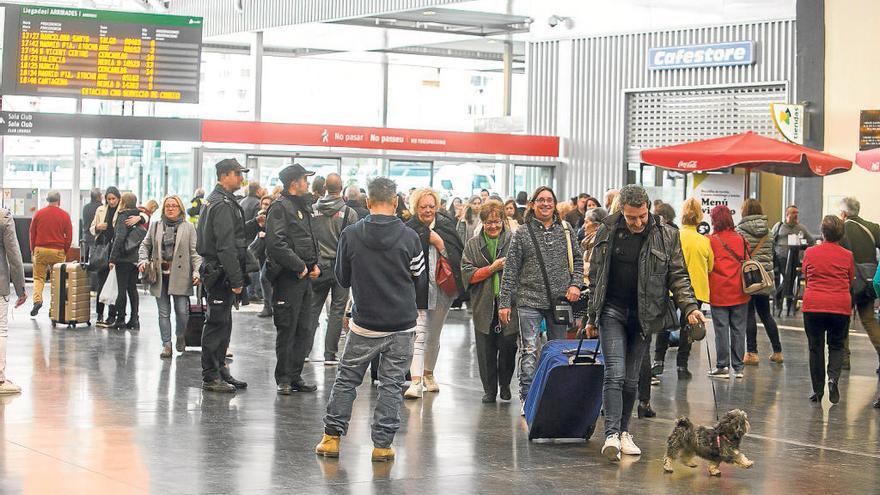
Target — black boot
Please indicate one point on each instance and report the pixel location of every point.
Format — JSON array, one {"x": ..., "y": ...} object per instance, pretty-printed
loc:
[
  {"x": 657, "y": 368},
  {"x": 133, "y": 324},
  {"x": 833, "y": 392},
  {"x": 645, "y": 410},
  {"x": 684, "y": 374},
  {"x": 120, "y": 322}
]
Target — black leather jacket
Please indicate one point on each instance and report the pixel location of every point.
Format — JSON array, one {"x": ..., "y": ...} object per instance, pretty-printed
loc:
[
  {"x": 661, "y": 270},
  {"x": 224, "y": 237},
  {"x": 290, "y": 244}
]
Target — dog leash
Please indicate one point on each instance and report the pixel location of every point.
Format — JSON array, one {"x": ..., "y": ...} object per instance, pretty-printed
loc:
[{"x": 714, "y": 396}]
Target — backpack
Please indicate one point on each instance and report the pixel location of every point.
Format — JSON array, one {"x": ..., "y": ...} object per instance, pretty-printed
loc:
[{"x": 754, "y": 277}]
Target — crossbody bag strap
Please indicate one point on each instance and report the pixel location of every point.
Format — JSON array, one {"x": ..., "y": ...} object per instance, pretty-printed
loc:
[
  {"x": 541, "y": 263},
  {"x": 760, "y": 243},
  {"x": 566, "y": 228},
  {"x": 732, "y": 253},
  {"x": 873, "y": 240}
]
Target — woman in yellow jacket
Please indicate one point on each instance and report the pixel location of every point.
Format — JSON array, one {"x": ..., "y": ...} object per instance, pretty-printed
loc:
[{"x": 700, "y": 260}]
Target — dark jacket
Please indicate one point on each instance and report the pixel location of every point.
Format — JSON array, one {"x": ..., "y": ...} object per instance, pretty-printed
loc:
[
  {"x": 250, "y": 205},
  {"x": 859, "y": 242},
  {"x": 482, "y": 300},
  {"x": 88, "y": 214},
  {"x": 523, "y": 281},
  {"x": 755, "y": 229},
  {"x": 661, "y": 270},
  {"x": 122, "y": 231},
  {"x": 445, "y": 228},
  {"x": 381, "y": 260},
  {"x": 358, "y": 207},
  {"x": 331, "y": 216},
  {"x": 290, "y": 244},
  {"x": 223, "y": 237}
]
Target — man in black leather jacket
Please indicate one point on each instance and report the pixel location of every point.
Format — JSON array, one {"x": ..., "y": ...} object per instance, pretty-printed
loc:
[
  {"x": 292, "y": 264},
  {"x": 222, "y": 243},
  {"x": 643, "y": 257}
]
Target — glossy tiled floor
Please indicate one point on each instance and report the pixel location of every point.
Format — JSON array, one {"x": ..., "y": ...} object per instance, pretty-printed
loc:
[{"x": 101, "y": 413}]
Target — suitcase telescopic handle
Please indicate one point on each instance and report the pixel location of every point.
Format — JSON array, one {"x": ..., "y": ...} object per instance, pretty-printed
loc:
[{"x": 590, "y": 360}]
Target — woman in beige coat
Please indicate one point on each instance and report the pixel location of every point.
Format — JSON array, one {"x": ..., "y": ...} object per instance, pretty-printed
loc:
[{"x": 170, "y": 247}]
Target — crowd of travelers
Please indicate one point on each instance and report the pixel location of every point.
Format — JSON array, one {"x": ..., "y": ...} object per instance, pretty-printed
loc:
[{"x": 394, "y": 264}]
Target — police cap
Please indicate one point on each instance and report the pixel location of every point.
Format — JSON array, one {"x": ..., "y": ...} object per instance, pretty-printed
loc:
[
  {"x": 229, "y": 165},
  {"x": 293, "y": 172}
]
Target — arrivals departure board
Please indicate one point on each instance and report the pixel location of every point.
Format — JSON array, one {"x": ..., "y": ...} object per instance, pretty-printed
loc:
[{"x": 58, "y": 51}]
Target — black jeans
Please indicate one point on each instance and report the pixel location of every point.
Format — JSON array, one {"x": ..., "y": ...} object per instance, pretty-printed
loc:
[
  {"x": 216, "y": 334},
  {"x": 496, "y": 357},
  {"x": 684, "y": 342},
  {"x": 127, "y": 278},
  {"x": 760, "y": 304},
  {"x": 292, "y": 310},
  {"x": 816, "y": 326},
  {"x": 645, "y": 372},
  {"x": 99, "y": 306}
]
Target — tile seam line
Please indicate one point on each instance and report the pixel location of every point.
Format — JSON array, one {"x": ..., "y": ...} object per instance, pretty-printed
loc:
[{"x": 39, "y": 452}]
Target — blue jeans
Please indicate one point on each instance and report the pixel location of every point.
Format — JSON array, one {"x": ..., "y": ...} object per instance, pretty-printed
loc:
[
  {"x": 623, "y": 346},
  {"x": 181, "y": 313},
  {"x": 529, "y": 331},
  {"x": 730, "y": 334},
  {"x": 395, "y": 353}
]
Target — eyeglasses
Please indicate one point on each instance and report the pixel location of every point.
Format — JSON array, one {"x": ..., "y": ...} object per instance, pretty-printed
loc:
[
  {"x": 172, "y": 207},
  {"x": 545, "y": 201},
  {"x": 497, "y": 223}
]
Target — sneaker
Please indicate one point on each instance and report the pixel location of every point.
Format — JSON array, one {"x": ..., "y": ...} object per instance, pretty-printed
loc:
[
  {"x": 777, "y": 358},
  {"x": 751, "y": 359},
  {"x": 218, "y": 386},
  {"x": 331, "y": 362},
  {"x": 738, "y": 374},
  {"x": 180, "y": 344},
  {"x": 238, "y": 384},
  {"x": 684, "y": 373},
  {"x": 505, "y": 392},
  {"x": 110, "y": 322},
  {"x": 655, "y": 381},
  {"x": 522, "y": 410},
  {"x": 166, "y": 351},
  {"x": 382, "y": 455},
  {"x": 431, "y": 384},
  {"x": 9, "y": 388},
  {"x": 657, "y": 368},
  {"x": 36, "y": 308},
  {"x": 100, "y": 322},
  {"x": 611, "y": 449},
  {"x": 833, "y": 392},
  {"x": 302, "y": 386},
  {"x": 265, "y": 313},
  {"x": 416, "y": 389},
  {"x": 627, "y": 446},
  {"x": 720, "y": 373},
  {"x": 329, "y": 446}
]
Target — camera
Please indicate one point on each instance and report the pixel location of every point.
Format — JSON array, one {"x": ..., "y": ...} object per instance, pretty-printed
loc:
[{"x": 555, "y": 20}]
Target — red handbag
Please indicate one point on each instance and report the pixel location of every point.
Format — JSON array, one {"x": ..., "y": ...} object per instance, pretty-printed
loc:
[{"x": 445, "y": 279}]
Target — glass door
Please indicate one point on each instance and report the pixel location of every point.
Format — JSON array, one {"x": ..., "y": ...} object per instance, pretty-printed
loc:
[
  {"x": 528, "y": 178},
  {"x": 410, "y": 175}
]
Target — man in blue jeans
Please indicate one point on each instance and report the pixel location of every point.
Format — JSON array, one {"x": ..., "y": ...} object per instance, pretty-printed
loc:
[
  {"x": 636, "y": 262},
  {"x": 380, "y": 259},
  {"x": 543, "y": 238}
]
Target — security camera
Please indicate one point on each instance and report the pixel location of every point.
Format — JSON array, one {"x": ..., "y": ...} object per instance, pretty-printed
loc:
[{"x": 555, "y": 20}]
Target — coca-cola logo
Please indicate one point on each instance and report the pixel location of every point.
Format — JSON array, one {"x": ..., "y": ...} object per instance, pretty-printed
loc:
[
  {"x": 875, "y": 167},
  {"x": 687, "y": 165}
]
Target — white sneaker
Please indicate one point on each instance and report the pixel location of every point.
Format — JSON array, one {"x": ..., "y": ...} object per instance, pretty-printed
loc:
[
  {"x": 522, "y": 410},
  {"x": 9, "y": 388},
  {"x": 627, "y": 446},
  {"x": 431, "y": 384},
  {"x": 611, "y": 449},
  {"x": 331, "y": 362},
  {"x": 415, "y": 391}
]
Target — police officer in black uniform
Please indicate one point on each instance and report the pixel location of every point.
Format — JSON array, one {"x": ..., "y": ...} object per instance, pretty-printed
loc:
[
  {"x": 292, "y": 264},
  {"x": 222, "y": 242}
]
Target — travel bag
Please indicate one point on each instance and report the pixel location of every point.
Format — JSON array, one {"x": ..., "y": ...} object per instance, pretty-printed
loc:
[
  {"x": 565, "y": 398},
  {"x": 195, "y": 323},
  {"x": 70, "y": 302}
]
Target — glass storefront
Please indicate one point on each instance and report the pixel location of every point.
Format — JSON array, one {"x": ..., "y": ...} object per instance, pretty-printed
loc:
[{"x": 528, "y": 178}]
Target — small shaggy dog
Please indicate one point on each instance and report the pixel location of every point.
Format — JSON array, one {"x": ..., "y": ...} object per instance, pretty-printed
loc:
[{"x": 716, "y": 445}]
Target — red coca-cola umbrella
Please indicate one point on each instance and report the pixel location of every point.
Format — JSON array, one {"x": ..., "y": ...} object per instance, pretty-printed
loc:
[
  {"x": 749, "y": 150},
  {"x": 869, "y": 159}
]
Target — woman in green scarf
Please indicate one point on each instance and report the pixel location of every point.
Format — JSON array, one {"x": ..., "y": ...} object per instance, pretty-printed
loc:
[{"x": 481, "y": 268}]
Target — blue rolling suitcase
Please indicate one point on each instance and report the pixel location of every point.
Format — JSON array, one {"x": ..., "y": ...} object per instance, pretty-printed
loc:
[{"x": 565, "y": 398}]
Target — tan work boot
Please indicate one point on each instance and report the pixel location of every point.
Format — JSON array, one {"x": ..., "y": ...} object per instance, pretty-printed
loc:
[
  {"x": 776, "y": 357},
  {"x": 166, "y": 352},
  {"x": 416, "y": 389},
  {"x": 383, "y": 455},
  {"x": 431, "y": 384},
  {"x": 751, "y": 359},
  {"x": 329, "y": 446}
]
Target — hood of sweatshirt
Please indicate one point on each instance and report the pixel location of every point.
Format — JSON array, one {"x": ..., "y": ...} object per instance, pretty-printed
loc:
[
  {"x": 329, "y": 206},
  {"x": 381, "y": 231}
]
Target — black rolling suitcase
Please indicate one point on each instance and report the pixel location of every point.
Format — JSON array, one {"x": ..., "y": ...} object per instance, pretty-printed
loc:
[
  {"x": 565, "y": 398},
  {"x": 195, "y": 323}
]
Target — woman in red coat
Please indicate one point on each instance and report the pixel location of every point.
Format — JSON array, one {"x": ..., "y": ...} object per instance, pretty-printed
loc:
[
  {"x": 730, "y": 305},
  {"x": 829, "y": 271}
]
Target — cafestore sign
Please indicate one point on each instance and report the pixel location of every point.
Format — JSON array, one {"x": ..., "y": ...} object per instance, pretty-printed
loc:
[{"x": 693, "y": 56}]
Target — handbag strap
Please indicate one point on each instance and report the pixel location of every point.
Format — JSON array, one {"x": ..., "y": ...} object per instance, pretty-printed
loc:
[
  {"x": 541, "y": 263},
  {"x": 760, "y": 243},
  {"x": 873, "y": 241},
  {"x": 732, "y": 253},
  {"x": 567, "y": 231}
]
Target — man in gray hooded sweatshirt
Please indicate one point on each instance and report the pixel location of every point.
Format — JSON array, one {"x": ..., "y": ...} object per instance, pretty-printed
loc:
[{"x": 330, "y": 219}]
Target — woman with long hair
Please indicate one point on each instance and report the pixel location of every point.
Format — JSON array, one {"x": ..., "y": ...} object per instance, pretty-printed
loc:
[
  {"x": 170, "y": 250},
  {"x": 756, "y": 230},
  {"x": 124, "y": 261},
  {"x": 469, "y": 223},
  {"x": 103, "y": 228},
  {"x": 440, "y": 240}
]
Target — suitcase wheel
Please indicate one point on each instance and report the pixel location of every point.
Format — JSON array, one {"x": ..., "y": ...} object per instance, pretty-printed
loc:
[
  {"x": 53, "y": 324},
  {"x": 88, "y": 323},
  {"x": 590, "y": 431}
]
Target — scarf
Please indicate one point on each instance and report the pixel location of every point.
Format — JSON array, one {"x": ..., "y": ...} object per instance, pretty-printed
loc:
[
  {"x": 492, "y": 245},
  {"x": 169, "y": 235}
]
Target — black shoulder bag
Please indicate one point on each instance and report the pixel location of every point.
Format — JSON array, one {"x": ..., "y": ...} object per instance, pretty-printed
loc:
[{"x": 561, "y": 310}]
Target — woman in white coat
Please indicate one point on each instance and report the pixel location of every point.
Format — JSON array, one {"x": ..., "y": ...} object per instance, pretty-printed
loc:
[{"x": 170, "y": 249}]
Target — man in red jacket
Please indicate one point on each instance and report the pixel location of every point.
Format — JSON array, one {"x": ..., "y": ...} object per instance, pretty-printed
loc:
[{"x": 51, "y": 235}]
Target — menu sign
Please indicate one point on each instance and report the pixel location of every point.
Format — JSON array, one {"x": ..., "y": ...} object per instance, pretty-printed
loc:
[
  {"x": 869, "y": 130},
  {"x": 59, "y": 51}
]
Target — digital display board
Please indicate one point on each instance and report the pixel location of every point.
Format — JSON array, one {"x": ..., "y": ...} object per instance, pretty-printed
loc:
[{"x": 79, "y": 53}]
